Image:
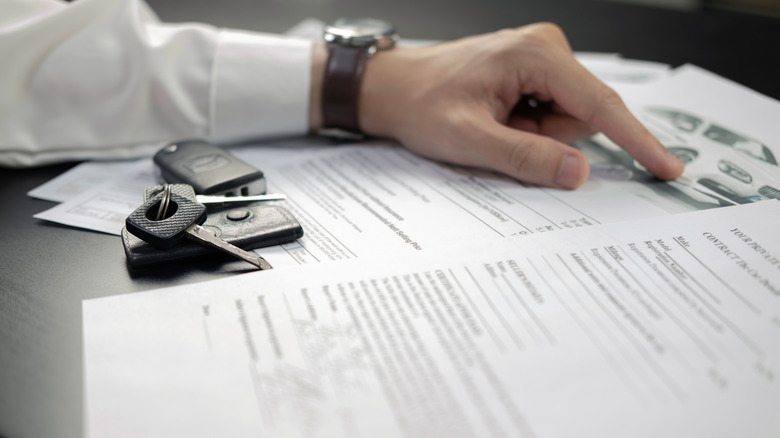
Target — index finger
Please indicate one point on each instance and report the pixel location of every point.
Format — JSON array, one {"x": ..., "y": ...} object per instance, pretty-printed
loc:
[{"x": 585, "y": 97}]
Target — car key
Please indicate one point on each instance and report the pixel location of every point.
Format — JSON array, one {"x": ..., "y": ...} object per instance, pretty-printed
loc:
[
  {"x": 183, "y": 218},
  {"x": 216, "y": 200},
  {"x": 219, "y": 201},
  {"x": 210, "y": 169}
]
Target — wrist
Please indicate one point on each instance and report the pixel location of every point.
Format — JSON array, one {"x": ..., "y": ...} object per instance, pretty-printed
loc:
[
  {"x": 387, "y": 90},
  {"x": 375, "y": 104}
]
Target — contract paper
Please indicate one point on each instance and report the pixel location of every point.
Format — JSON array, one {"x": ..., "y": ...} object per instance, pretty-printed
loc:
[
  {"x": 376, "y": 199},
  {"x": 662, "y": 328}
]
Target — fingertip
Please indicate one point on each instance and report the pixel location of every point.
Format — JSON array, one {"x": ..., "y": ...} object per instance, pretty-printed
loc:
[
  {"x": 665, "y": 165},
  {"x": 572, "y": 172},
  {"x": 674, "y": 167}
]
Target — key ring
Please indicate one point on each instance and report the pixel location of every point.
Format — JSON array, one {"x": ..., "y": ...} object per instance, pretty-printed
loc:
[{"x": 164, "y": 202}]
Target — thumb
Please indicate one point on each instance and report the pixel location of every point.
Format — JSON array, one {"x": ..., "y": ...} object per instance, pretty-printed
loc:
[{"x": 529, "y": 157}]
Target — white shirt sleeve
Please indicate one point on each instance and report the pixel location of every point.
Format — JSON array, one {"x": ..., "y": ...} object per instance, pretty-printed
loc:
[{"x": 107, "y": 79}]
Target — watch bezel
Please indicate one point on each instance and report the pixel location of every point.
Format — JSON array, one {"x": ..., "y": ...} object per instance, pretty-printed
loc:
[{"x": 361, "y": 32}]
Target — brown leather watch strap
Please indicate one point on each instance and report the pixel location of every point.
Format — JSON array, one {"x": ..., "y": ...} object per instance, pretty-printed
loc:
[{"x": 341, "y": 86}]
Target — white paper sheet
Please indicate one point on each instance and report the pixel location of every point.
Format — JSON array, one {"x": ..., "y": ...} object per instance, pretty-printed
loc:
[
  {"x": 104, "y": 205},
  {"x": 79, "y": 179},
  {"x": 669, "y": 327},
  {"x": 380, "y": 199}
]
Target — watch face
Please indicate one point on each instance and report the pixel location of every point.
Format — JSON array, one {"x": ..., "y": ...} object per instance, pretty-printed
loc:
[{"x": 361, "y": 31}]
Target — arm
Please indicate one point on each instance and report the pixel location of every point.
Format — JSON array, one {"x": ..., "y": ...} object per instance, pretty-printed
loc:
[
  {"x": 468, "y": 102},
  {"x": 106, "y": 79}
]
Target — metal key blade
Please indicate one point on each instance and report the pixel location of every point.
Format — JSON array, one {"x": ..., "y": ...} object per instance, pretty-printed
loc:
[
  {"x": 203, "y": 236},
  {"x": 221, "y": 200}
]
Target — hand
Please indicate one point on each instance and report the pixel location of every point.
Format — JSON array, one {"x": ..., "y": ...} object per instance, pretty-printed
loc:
[{"x": 507, "y": 101}]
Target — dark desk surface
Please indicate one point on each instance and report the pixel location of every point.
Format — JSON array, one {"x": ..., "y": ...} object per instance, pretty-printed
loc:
[{"x": 47, "y": 269}]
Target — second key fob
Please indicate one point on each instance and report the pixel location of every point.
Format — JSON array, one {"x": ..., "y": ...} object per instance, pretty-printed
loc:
[
  {"x": 249, "y": 227},
  {"x": 209, "y": 169}
]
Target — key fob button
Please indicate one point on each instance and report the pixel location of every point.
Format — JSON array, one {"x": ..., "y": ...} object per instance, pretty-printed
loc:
[{"x": 238, "y": 214}]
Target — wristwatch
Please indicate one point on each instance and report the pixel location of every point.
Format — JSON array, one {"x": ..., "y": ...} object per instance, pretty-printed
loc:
[{"x": 350, "y": 42}]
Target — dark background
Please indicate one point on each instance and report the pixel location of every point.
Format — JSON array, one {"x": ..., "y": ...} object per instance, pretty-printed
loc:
[
  {"x": 741, "y": 47},
  {"x": 46, "y": 270}
]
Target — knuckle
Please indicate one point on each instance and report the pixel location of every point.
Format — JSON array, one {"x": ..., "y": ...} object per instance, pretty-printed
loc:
[
  {"x": 546, "y": 35},
  {"x": 548, "y": 29},
  {"x": 534, "y": 42},
  {"x": 537, "y": 41},
  {"x": 607, "y": 101},
  {"x": 457, "y": 124},
  {"x": 455, "y": 117},
  {"x": 541, "y": 29},
  {"x": 508, "y": 32},
  {"x": 609, "y": 98}
]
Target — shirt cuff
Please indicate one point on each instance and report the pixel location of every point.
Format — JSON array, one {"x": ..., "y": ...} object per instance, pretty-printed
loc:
[{"x": 260, "y": 86}]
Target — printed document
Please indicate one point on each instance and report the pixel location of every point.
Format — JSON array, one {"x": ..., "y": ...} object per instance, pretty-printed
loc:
[
  {"x": 378, "y": 199},
  {"x": 661, "y": 328}
]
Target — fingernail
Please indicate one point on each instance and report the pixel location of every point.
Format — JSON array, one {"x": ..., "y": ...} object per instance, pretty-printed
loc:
[{"x": 570, "y": 174}]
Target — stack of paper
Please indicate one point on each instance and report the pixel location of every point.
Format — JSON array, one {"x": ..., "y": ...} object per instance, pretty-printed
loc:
[{"x": 667, "y": 327}]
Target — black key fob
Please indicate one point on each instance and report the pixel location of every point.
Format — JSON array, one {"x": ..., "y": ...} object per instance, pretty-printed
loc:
[{"x": 209, "y": 169}]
